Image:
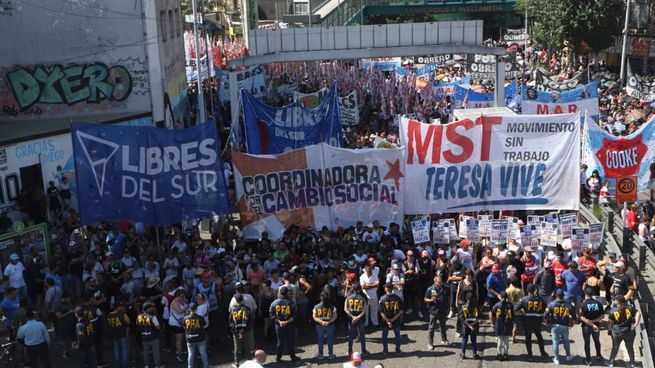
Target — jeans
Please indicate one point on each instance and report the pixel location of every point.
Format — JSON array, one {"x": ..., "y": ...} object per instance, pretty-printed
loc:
[
  {"x": 502, "y": 345},
  {"x": 466, "y": 332},
  {"x": 36, "y": 353},
  {"x": 122, "y": 352},
  {"x": 286, "y": 335},
  {"x": 560, "y": 335},
  {"x": 629, "y": 339},
  {"x": 587, "y": 333},
  {"x": 325, "y": 333},
  {"x": 360, "y": 326},
  {"x": 432, "y": 324},
  {"x": 201, "y": 348},
  {"x": 245, "y": 345},
  {"x": 151, "y": 346},
  {"x": 385, "y": 336},
  {"x": 575, "y": 300},
  {"x": 85, "y": 357}
]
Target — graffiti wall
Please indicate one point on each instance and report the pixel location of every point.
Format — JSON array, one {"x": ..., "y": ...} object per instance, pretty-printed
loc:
[{"x": 56, "y": 90}]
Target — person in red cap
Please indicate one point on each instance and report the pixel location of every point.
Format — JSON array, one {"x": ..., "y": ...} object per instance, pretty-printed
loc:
[
  {"x": 464, "y": 254},
  {"x": 495, "y": 285}
]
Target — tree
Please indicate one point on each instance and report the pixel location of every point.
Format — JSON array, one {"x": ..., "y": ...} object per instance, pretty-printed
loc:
[{"x": 548, "y": 23}]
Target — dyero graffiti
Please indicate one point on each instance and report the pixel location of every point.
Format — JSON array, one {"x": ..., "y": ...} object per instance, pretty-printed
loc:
[{"x": 57, "y": 84}]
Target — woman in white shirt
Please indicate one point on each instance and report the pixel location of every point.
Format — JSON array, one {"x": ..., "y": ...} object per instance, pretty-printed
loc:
[{"x": 178, "y": 311}]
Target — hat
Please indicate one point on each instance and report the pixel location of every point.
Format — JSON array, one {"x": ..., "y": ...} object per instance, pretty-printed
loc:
[
  {"x": 573, "y": 264},
  {"x": 371, "y": 261},
  {"x": 200, "y": 271},
  {"x": 441, "y": 252},
  {"x": 464, "y": 242},
  {"x": 619, "y": 265},
  {"x": 388, "y": 285},
  {"x": 294, "y": 269},
  {"x": 548, "y": 263},
  {"x": 205, "y": 275},
  {"x": 152, "y": 282},
  {"x": 559, "y": 292},
  {"x": 495, "y": 268},
  {"x": 14, "y": 257},
  {"x": 620, "y": 298},
  {"x": 395, "y": 266},
  {"x": 147, "y": 305},
  {"x": 527, "y": 248},
  {"x": 357, "y": 357},
  {"x": 425, "y": 254},
  {"x": 351, "y": 276}
]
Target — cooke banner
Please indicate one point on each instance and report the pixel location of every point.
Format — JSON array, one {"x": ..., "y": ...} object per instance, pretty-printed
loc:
[
  {"x": 492, "y": 163},
  {"x": 318, "y": 186}
]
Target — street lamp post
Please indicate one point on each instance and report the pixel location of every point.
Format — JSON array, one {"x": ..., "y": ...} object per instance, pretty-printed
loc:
[
  {"x": 201, "y": 95},
  {"x": 624, "y": 49}
]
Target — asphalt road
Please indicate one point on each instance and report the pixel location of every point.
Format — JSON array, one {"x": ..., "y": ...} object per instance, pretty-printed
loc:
[{"x": 414, "y": 346}]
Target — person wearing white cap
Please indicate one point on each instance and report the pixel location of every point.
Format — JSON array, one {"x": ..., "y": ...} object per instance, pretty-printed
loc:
[
  {"x": 14, "y": 271},
  {"x": 396, "y": 278},
  {"x": 355, "y": 362}
]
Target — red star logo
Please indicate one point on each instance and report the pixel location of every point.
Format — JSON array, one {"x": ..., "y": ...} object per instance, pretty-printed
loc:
[{"x": 394, "y": 173}]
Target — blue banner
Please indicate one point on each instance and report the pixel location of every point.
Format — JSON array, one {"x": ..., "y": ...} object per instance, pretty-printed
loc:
[
  {"x": 156, "y": 176},
  {"x": 581, "y": 93},
  {"x": 467, "y": 98},
  {"x": 272, "y": 130}
]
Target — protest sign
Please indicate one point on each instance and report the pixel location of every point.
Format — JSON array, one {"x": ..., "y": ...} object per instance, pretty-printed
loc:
[
  {"x": 567, "y": 221},
  {"x": 472, "y": 232},
  {"x": 549, "y": 234},
  {"x": 499, "y": 231},
  {"x": 484, "y": 225},
  {"x": 579, "y": 238},
  {"x": 441, "y": 233},
  {"x": 596, "y": 234},
  {"x": 421, "y": 231}
]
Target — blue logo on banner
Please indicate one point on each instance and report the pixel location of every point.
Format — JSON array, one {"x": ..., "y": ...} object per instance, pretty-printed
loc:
[
  {"x": 156, "y": 176},
  {"x": 272, "y": 130}
]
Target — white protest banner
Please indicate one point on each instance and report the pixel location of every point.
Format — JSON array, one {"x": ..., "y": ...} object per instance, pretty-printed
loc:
[
  {"x": 499, "y": 231},
  {"x": 513, "y": 226},
  {"x": 534, "y": 107},
  {"x": 596, "y": 234},
  {"x": 481, "y": 67},
  {"x": 484, "y": 225},
  {"x": 441, "y": 234},
  {"x": 252, "y": 80},
  {"x": 529, "y": 235},
  {"x": 567, "y": 221},
  {"x": 641, "y": 88},
  {"x": 421, "y": 231},
  {"x": 317, "y": 186},
  {"x": 310, "y": 100},
  {"x": 579, "y": 238},
  {"x": 349, "y": 108},
  {"x": 549, "y": 234},
  {"x": 515, "y": 35},
  {"x": 452, "y": 227},
  {"x": 472, "y": 233},
  {"x": 463, "y": 229},
  {"x": 493, "y": 163}
]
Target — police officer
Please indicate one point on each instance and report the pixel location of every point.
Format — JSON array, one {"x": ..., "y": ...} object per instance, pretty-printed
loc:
[
  {"x": 502, "y": 317},
  {"x": 241, "y": 324},
  {"x": 391, "y": 311},
  {"x": 194, "y": 331},
  {"x": 437, "y": 300},
  {"x": 355, "y": 308},
  {"x": 85, "y": 338},
  {"x": 591, "y": 313},
  {"x": 531, "y": 309},
  {"x": 94, "y": 315},
  {"x": 324, "y": 314},
  {"x": 560, "y": 315},
  {"x": 623, "y": 320},
  {"x": 282, "y": 312},
  {"x": 469, "y": 314},
  {"x": 118, "y": 328},
  {"x": 148, "y": 328}
]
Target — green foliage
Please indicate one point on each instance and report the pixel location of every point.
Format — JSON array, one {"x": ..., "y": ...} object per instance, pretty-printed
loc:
[{"x": 574, "y": 21}]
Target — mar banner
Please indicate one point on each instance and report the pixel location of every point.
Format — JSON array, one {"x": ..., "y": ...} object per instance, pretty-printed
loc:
[
  {"x": 641, "y": 88},
  {"x": 493, "y": 163},
  {"x": 615, "y": 157},
  {"x": 317, "y": 186},
  {"x": 271, "y": 130},
  {"x": 156, "y": 176},
  {"x": 533, "y": 107}
]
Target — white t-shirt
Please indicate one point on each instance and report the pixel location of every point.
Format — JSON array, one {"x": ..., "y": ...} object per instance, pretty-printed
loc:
[
  {"x": 15, "y": 274},
  {"x": 397, "y": 289},
  {"x": 275, "y": 286},
  {"x": 466, "y": 258},
  {"x": 365, "y": 279},
  {"x": 203, "y": 311},
  {"x": 251, "y": 364}
]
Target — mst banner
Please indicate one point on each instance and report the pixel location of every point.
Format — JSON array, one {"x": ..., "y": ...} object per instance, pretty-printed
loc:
[
  {"x": 620, "y": 156},
  {"x": 271, "y": 130},
  {"x": 492, "y": 163},
  {"x": 317, "y": 186},
  {"x": 156, "y": 176}
]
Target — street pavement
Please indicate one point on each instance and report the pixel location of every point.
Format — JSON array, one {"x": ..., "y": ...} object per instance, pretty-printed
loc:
[{"x": 414, "y": 346}]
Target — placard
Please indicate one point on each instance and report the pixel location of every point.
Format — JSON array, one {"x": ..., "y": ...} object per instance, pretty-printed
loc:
[
  {"x": 484, "y": 225},
  {"x": 596, "y": 232},
  {"x": 421, "y": 231},
  {"x": 441, "y": 234},
  {"x": 567, "y": 222},
  {"x": 472, "y": 233},
  {"x": 499, "y": 231},
  {"x": 513, "y": 226},
  {"x": 579, "y": 238},
  {"x": 549, "y": 234}
]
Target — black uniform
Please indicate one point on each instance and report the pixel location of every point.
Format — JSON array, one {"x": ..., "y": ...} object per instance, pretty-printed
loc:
[
  {"x": 240, "y": 318},
  {"x": 194, "y": 328},
  {"x": 560, "y": 312},
  {"x": 356, "y": 304},
  {"x": 283, "y": 309},
  {"x": 116, "y": 325},
  {"x": 86, "y": 340},
  {"x": 390, "y": 305},
  {"x": 623, "y": 319},
  {"x": 146, "y": 325},
  {"x": 591, "y": 309},
  {"x": 94, "y": 315},
  {"x": 438, "y": 310},
  {"x": 532, "y": 307}
]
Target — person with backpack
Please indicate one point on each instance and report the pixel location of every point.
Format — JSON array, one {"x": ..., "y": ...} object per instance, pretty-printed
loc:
[{"x": 502, "y": 317}]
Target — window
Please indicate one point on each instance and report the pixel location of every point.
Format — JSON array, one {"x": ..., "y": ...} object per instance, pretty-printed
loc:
[
  {"x": 171, "y": 24},
  {"x": 162, "y": 25},
  {"x": 300, "y": 8},
  {"x": 178, "y": 26}
]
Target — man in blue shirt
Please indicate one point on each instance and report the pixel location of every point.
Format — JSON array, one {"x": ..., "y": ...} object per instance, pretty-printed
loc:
[
  {"x": 573, "y": 280},
  {"x": 8, "y": 307},
  {"x": 36, "y": 339},
  {"x": 495, "y": 285}
]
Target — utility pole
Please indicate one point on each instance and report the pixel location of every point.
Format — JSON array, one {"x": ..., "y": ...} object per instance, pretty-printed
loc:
[
  {"x": 309, "y": 12},
  {"x": 201, "y": 95},
  {"x": 624, "y": 49}
]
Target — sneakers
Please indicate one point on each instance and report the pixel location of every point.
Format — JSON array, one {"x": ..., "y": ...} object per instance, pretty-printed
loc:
[
  {"x": 331, "y": 356},
  {"x": 450, "y": 315},
  {"x": 458, "y": 335},
  {"x": 430, "y": 347},
  {"x": 477, "y": 357},
  {"x": 555, "y": 361},
  {"x": 462, "y": 356},
  {"x": 445, "y": 342},
  {"x": 420, "y": 314},
  {"x": 409, "y": 311},
  {"x": 569, "y": 358},
  {"x": 587, "y": 362},
  {"x": 177, "y": 356},
  {"x": 318, "y": 357},
  {"x": 295, "y": 358}
]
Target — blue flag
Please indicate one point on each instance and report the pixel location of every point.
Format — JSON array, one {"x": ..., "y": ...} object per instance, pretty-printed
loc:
[
  {"x": 272, "y": 130},
  {"x": 147, "y": 174}
]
